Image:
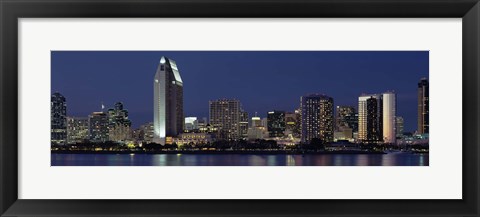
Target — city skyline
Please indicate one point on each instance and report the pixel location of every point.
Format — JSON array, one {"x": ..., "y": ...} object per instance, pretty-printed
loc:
[{"x": 407, "y": 103}]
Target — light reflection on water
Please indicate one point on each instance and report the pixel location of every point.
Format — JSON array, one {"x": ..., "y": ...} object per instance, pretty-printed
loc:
[{"x": 391, "y": 159}]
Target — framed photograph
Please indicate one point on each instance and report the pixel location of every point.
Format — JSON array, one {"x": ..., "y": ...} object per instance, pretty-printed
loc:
[{"x": 252, "y": 108}]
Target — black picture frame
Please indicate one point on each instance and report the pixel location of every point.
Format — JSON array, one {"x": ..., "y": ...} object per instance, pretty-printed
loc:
[{"x": 12, "y": 10}]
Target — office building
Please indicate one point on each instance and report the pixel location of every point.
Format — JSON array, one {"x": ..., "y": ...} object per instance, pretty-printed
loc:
[
  {"x": 98, "y": 127},
  {"x": 148, "y": 132},
  {"x": 256, "y": 122},
  {"x": 77, "y": 130},
  {"x": 276, "y": 123},
  {"x": 243, "y": 125},
  {"x": 118, "y": 123},
  {"x": 58, "y": 119},
  {"x": 370, "y": 118},
  {"x": 399, "y": 126},
  {"x": 292, "y": 124},
  {"x": 168, "y": 119},
  {"x": 423, "y": 107},
  {"x": 346, "y": 117}
]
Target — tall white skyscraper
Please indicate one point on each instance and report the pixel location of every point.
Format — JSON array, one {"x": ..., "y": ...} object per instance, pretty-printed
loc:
[
  {"x": 168, "y": 118},
  {"x": 389, "y": 117}
]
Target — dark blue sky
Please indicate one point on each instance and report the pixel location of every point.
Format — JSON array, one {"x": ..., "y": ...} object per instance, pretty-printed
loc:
[{"x": 262, "y": 81}]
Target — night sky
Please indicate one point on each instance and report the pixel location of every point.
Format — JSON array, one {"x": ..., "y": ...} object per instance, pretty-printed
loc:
[{"x": 261, "y": 80}]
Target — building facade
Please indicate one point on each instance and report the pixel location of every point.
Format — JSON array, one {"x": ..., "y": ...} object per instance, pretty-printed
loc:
[
  {"x": 98, "y": 127},
  {"x": 399, "y": 126},
  {"x": 346, "y": 116},
  {"x": 276, "y": 123},
  {"x": 118, "y": 123},
  {"x": 389, "y": 117},
  {"x": 243, "y": 125},
  {"x": 77, "y": 130},
  {"x": 191, "y": 124},
  {"x": 317, "y": 118},
  {"x": 292, "y": 124},
  {"x": 193, "y": 139},
  {"x": 370, "y": 118},
  {"x": 58, "y": 118},
  {"x": 168, "y": 119},
  {"x": 225, "y": 115},
  {"x": 148, "y": 132},
  {"x": 423, "y": 107}
]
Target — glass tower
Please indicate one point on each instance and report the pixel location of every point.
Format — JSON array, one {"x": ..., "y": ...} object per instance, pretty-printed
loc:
[
  {"x": 58, "y": 118},
  {"x": 423, "y": 107},
  {"x": 276, "y": 123},
  {"x": 370, "y": 118},
  {"x": 168, "y": 119}
]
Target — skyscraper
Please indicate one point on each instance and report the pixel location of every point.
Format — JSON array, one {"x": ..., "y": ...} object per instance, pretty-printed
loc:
[
  {"x": 370, "y": 118},
  {"x": 399, "y": 128},
  {"x": 377, "y": 118},
  {"x": 118, "y": 123},
  {"x": 292, "y": 123},
  {"x": 317, "y": 118},
  {"x": 77, "y": 129},
  {"x": 98, "y": 127},
  {"x": 256, "y": 122},
  {"x": 225, "y": 115},
  {"x": 374, "y": 131},
  {"x": 58, "y": 118},
  {"x": 168, "y": 118},
  {"x": 148, "y": 132},
  {"x": 276, "y": 123},
  {"x": 423, "y": 108},
  {"x": 346, "y": 117},
  {"x": 244, "y": 124},
  {"x": 389, "y": 117}
]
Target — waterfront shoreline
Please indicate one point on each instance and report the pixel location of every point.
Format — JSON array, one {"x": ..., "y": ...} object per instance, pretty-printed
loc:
[{"x": 280, "y": 152}]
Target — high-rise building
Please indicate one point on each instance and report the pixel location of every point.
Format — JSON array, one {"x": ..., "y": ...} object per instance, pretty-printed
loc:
[
  {"x": 423, "y": 107},
  {"x": 98, "y": 127},
  {"x": 118, "y": 115},
  {"x": 77, "y": 130},
  {"x": 148, "y": 132},
  {"x": 377, "y": 118},
  {"x": 374, "y": 129},
  {"x": 276, "y": 123},
  {"x": 118, "y": 123},
  {"x": 191, "y": 123},
  {"x": 264, "y": 122},
  {"x": 243, "y": 124},
  {"x": 168, "y": 118},
  {"x": 58, "y": 118},
  {"x": 256, "y": 122},
  {"x": 225, "y": 115},
  {"x": 370, "y": 118},
  {"x": 292, "y": 123},
  {"x": 399, "y": 126},
  {"x": 346, "y": 116},
  {"x": 317, "y": 118},
  {"x": 389, "y": 117}
]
